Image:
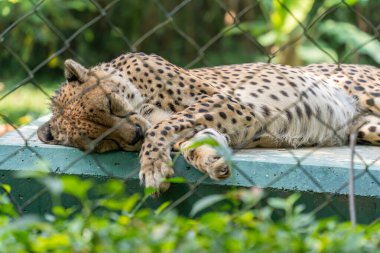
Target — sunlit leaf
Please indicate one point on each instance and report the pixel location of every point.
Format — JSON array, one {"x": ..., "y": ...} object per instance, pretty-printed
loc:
[
  {"x": 62, "y": 211},
  {"x": 6, "y": 187},
  {"x": 5, "y": 11},
  {"x": 177, "y": 180},
  {"x": 330, "y": 3},
  {"x": 45, "y": 244},
  {"x": 129, "y": 203},
  {"x": 287, "y": 14},
  {"x": 25, "y": 120},
  {"x": 162, "y": 207},
  {"x": 124, "y": 220},
  {"x": 149, "y": 191},
  {"x": 54, "y": 62}
]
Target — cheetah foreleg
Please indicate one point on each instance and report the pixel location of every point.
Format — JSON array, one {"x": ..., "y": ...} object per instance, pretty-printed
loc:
[{"x": 155, "y": 161}]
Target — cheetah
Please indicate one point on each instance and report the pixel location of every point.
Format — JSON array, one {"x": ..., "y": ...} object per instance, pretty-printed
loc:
[{"x": 140, "y": 102}]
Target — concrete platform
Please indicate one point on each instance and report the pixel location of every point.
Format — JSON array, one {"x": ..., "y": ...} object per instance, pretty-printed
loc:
[{"x": 312, "y": 170}]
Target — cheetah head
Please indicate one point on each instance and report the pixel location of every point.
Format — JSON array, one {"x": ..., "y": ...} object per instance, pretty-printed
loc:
[{"x": 94, "y": 110}]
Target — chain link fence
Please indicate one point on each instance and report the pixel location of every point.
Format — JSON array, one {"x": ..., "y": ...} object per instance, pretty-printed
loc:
[{"x": 36, "y": 37}]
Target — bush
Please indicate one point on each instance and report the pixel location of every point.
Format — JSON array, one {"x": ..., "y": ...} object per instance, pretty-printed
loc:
[{"x": 114, "y": 222}]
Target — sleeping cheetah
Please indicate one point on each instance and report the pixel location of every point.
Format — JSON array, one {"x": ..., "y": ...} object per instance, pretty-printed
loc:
[{"x": 143, "y": 102}]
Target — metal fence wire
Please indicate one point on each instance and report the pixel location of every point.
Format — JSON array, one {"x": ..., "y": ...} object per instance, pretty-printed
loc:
[{"x": 36, "y": 37}]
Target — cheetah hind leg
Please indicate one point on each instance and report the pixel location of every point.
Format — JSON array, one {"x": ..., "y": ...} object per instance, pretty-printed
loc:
[
  {"x": 205, "y": 157},
  {"x": 369, "y": 130}
]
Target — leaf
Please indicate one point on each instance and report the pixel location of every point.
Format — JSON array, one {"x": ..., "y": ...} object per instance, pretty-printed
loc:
[
  {"x": 112, "y": 186},
  {"x": 292, "y": 199},
  {"x": 206, "y": 202},
  {"x": 162, "y": 207},
  {"x": 149, "y": 191},
  {"x": 129, "y": 203},
  {"x": 47, "y": 243},
  {"x": 6, "y": 187},
  {"x": 76, "y": 186},
  {"x": 6, "y": 206},
  {"x": 197, "y": 142},
  {"x": 111, "y": 204},
  {"x": 277, "y": 203},
  {"x": 351, "y": 2},
  {"x": 176, "y": 180},
  {"x": 54, "y": 62},
  {"x": 62, "y": 211}
]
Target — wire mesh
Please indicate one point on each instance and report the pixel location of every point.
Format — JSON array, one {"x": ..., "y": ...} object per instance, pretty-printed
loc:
[{"x": 190, "y": 34}]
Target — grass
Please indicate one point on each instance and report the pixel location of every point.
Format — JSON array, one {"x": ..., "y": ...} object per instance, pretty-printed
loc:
[{"x": 24, "y": 104}]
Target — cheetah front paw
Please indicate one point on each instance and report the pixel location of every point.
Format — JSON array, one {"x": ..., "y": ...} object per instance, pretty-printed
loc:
[
  {"x": 154, "y": 171},
  {"x": 207, "y": 160},
  {"x": 205, "y": 157}
]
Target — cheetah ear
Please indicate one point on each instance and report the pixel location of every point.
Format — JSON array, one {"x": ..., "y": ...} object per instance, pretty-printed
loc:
[
  {"x": 44, "y": 134},
  {"x": 74, "y": 71}
]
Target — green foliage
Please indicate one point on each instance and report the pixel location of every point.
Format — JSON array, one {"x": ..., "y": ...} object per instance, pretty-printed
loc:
[
  {"x": 57, "y": 24},
  {"x": 45, "y": 33},
  {"x": 115, "y": 222},
  {"x": 352, "y": 38},
  {"x": 303, "y": 32}
]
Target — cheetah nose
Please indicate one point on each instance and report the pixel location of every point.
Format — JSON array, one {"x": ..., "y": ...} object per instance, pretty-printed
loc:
[{"x": 139, "y": 135}]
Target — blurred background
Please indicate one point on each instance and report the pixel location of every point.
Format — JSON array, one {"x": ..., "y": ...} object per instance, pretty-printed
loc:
[{"x": 37, "y": 36}]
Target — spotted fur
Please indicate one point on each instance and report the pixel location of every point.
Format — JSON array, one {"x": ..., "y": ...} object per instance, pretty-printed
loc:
[{"x": 143, "y": 102}]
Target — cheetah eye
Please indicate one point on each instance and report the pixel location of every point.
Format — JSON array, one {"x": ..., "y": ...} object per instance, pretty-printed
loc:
[{"x": 116, "y": 106}]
